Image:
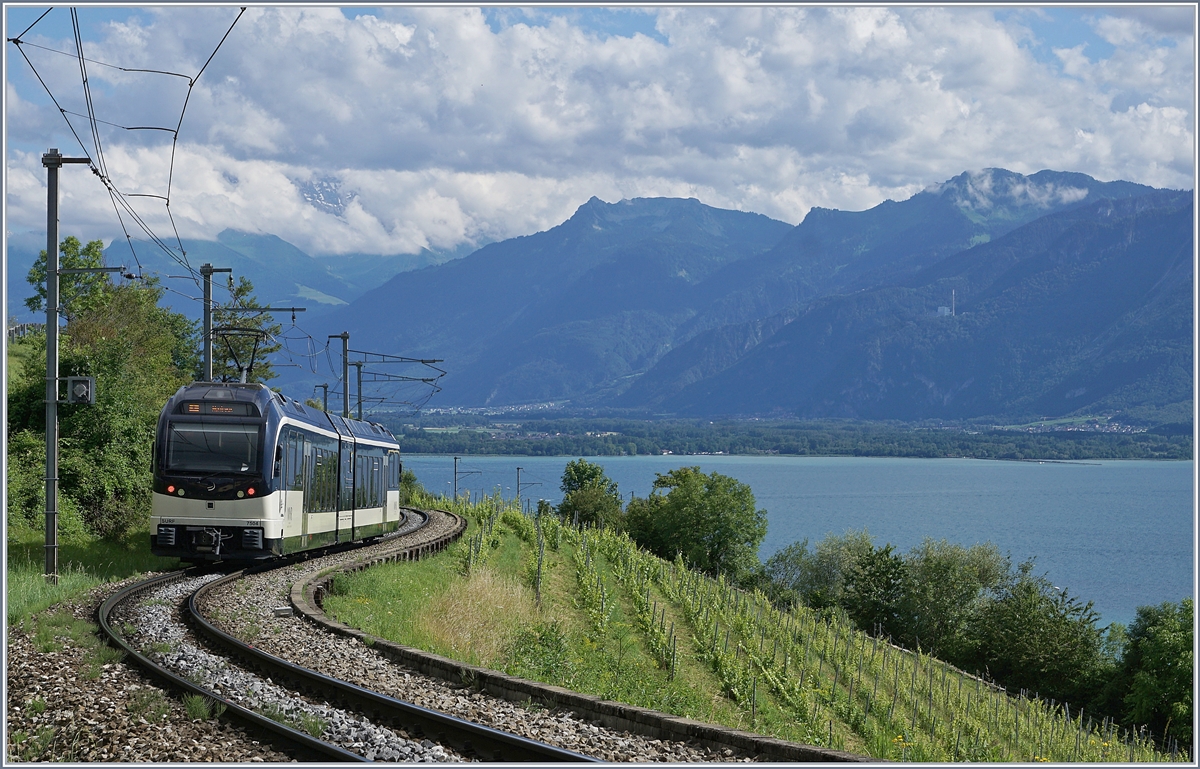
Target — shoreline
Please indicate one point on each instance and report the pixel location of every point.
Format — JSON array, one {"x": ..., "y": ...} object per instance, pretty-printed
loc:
[{"x": 765, "y": 455}]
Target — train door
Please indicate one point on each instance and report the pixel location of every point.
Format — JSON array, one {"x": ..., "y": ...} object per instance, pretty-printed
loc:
[{"x": 346, "y": 490}]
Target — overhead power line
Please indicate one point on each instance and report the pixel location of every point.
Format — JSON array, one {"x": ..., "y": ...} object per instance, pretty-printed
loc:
[{"x": 98, "y": 163}]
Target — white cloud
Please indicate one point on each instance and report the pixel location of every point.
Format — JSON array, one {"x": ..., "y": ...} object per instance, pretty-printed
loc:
[{"x": 440, "y": 131}]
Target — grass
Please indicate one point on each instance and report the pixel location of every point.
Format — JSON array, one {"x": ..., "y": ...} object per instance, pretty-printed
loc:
[
  {"x": 150, "y": 704},
  {"x": 54, "y": 631},
  {"x": 620, "y": 624},
  {"x": 83, "y": 565},
  {"x": 307, "y": 722},
  {"x": 200, "y": 708},
  {"x": 30, "y": 747},
  {"x": 21, "y": 352}
]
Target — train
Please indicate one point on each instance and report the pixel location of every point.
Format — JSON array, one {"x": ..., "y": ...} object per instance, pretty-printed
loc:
[{"x": 243, "y": 473}]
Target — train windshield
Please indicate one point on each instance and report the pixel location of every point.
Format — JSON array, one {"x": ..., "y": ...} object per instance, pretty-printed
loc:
[{"x": 212, "y": 448}]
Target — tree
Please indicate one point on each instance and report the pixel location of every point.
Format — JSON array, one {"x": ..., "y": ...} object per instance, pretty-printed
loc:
[
  {"x": 75, "y": 291},
  {"x": 410, "y": 488},
  {"x": 582, "y": 474},
  {"x": 1158, "y": 666},
  {"x": 140, "y": 354},
  {"x": 818, "y": 577},
  {"x": 877, "y": 592},
  {"x": 1035, "y": 636},
  {"x": 234, "y": 350},
  {"x": 711, "y": 520},
  {"x": 590, "y": 498},
  {"x": 949, "y": 586},
  {"x": 591, "y": 506}
]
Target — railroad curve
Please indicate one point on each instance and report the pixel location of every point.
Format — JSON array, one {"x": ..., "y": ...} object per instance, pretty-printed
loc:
[{"x": 138, "y": 619}]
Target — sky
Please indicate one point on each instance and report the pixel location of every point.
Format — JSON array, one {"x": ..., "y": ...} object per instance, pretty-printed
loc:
[{"x": 390, "y": 129}]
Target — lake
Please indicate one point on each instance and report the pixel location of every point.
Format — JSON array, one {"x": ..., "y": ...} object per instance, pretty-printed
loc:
[{"x": 1119, "y": 533}]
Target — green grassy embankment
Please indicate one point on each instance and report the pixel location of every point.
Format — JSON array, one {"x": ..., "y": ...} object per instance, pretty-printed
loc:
[
  {"x": 604, "y": 618},
  {"x": 84, "y": 563}
]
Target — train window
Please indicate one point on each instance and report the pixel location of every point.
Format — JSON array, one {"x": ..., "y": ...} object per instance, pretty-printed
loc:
[
  {"x": 322, "y": 496},
  {"x": 295, "y": 448},
  {"x": 212, "y": 448},
  {"x": 393, "y": 468},
  {"x": 376, "y": 481},
  {"x": 292, "y": 443}
]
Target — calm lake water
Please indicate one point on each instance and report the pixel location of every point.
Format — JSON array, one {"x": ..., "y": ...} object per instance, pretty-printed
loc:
[{"x": 1119, "y": 533}]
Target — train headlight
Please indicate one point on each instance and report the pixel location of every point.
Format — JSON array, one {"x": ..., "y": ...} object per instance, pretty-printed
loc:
[
  {"x": 241, "y": 494},
  {"x": 180, "y": 492}
]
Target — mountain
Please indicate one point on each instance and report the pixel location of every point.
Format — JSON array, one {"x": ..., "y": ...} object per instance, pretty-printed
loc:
[
  {"x": 670, "y": 306},
  {"x": 283, "y": 275},
  {"x": 1072, "y": 296},
  {"x": 566, "y": 313},
  {"x": 833, "y": 252},
  {"x": 1082, "y": 311},
  {"x": 21, "y": 251}
]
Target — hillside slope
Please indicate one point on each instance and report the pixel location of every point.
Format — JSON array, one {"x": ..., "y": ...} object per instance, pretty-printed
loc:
[
  {"x": 563, "y": 313},
  {"x": 1081, "y": 311}
]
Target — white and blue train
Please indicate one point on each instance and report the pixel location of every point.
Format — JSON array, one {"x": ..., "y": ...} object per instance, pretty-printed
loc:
[{"x": 244, "y": 473}]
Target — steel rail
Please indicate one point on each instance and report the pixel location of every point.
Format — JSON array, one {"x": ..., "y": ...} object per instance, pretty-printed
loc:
[
  {"x": 466, "y": 737},
  {"x": 288, "y": 736}
]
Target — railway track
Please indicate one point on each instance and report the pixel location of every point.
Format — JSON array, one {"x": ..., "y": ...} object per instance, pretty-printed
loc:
[
  {"x": 350, "y": 682},
  {"x": 159, "y": 625}
]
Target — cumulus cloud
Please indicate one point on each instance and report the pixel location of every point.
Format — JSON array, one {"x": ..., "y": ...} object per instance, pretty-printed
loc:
[{"x": 407, "y": 128}]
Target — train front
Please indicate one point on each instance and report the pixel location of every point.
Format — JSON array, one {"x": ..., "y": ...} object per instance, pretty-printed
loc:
[{"x": 212, "y": 500}]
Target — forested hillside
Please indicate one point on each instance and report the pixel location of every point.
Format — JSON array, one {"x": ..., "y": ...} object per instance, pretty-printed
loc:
[
  {"x": 566, "y": 313},
  {"x": 1085, "y": 311}
]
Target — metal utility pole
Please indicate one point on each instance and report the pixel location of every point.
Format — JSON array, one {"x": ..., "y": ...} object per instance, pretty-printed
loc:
[
  {"x": 345, "y": 337},
  {"x": 457, "y": 473},
  {"x": 535, "y": 483},
  {"x": 324, "y": 396},
  {"x": 52, "y": 161},
  {"x": 206, "y": 271}
]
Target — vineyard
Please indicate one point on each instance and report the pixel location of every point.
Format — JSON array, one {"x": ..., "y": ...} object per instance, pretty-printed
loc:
[{"x": 792, "y": 674}]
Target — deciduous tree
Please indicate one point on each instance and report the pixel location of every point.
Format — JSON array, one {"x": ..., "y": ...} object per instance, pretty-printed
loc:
[
  {"x": 1159, "y": 667},
  {"x": 76, "y": 291},
  {"x": 711, "y": 520},
  {"x": 590, "y": 498},
  {"x": 817, "y": 576}
]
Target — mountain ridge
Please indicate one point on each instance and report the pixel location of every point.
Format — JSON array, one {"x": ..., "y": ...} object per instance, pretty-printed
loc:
[
  {"x": 850, "y": 353},
  {"x": 670, "y": 306}
]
